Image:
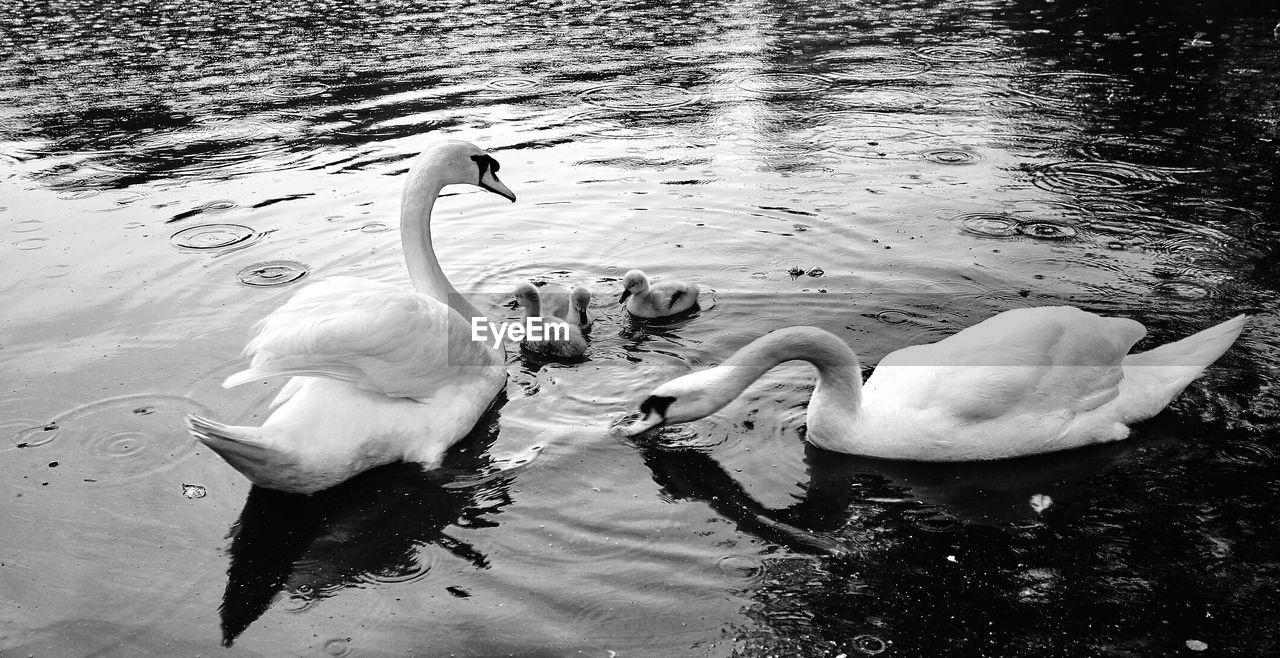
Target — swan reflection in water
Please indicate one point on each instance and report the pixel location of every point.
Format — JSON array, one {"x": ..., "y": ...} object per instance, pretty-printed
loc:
[
  {"x": 842, "y": 487},
  {"x": 371, "y": 528}
]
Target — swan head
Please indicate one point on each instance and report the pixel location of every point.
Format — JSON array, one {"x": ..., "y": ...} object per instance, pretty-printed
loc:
[
  {"x": 465, "y": 163},
  {"x": 680, "y": 400},
  {"x": 633, "y": 283}
]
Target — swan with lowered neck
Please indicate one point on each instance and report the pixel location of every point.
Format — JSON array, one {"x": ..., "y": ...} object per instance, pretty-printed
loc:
[
  {"x": 1024, "y": 382},
  {"x": 378, "y": 374}
]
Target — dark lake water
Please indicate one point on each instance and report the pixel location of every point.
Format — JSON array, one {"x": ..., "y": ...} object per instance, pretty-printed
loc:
[{"x": 890, "y": 171}]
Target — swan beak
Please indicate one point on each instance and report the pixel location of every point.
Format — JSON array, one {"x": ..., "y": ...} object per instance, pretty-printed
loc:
[
  {"x": 650, "y": 421},
  {"x": 490, "y": 182},
  {"x": 625, "y": 295}
]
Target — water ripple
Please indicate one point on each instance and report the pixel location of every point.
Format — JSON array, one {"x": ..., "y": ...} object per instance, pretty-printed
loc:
[
  {"x": 1098, "y": 177},
  {"x": 747, "y": 567},
  {"x": 117, "y": 440},
  {"x": 272, "y": 273},
  {"x": 780, "y": 82},
  {"x": 1000, "y": 225},
  {"x": 965, "y": 53},
  {"x": 869, "y": 645},
  {"x": 31, "y": 244},
  {"x": 1181, "y": 289},
  {"x": 26, "y": 226},
  {"x": 886, "y": 99},
  {"x": 862, "y": 134},
  {"x": 638, "y": 97},
  {"x": 1046, "y": 230},
  {"x": 951, "y": 155},
  {"x": 513, "y": 83},
  {"x": 214, "y": 237},
  {"x": 1247, "y": 453},
  {"x": 297, "y": 89},
  {"x": 874, "y": 67},
  {"x": 991, "y": 225},
  {"x": 605, "y": 124}
]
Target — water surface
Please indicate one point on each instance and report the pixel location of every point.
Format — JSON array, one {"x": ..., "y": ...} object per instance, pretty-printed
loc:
[{"x": 892, "y": 172}]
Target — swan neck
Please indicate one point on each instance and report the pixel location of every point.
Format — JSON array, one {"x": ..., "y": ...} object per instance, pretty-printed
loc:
[
  {"x": 416, "y": 204},
  {"x": 839, "y": 375}
]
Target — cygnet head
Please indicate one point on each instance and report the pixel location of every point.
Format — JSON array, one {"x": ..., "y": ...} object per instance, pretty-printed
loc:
[
  {"x": 680, "y": 400},
  {"x": 581, "y": 299},
  {"x": 634, "y": 282},
  {"x": 459, "y": 162},
  {"x": 527, "y": 298}
]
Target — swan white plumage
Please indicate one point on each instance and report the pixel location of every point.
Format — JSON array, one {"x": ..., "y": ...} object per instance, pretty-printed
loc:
[
  {"x": 379, "y": 373},
  {"x": 645, "y": 299},
  {"x": 562, "y": 333},
  {"x": 1024, "y": 382}
]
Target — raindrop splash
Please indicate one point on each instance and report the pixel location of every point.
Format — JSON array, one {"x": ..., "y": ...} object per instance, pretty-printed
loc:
[
  {"x": 951, "y": 156},
  {"x": 965, "y": 53},
  {"x": 272, "y": 273},
  {"x": 783, "y": 83},
  {"x": 637, "y": 97},
  {"x": 1046, "y": 230},
  {"x": 1098, "y": 177},
  {"x": 214, "y": 237},
  {"x": 989, "y": 225}
]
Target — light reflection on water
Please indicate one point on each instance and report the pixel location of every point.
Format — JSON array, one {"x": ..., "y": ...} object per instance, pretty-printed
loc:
[{"x": 170, "y": 176}]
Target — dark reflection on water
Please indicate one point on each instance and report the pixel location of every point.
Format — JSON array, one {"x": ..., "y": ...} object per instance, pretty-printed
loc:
[
  {"x": 1127, "y": 556},
  {"x": 372, "y": 530}
]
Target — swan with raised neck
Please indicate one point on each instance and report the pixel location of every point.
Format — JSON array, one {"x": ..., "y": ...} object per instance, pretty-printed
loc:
[
  {"x": 444, "y": 164},
  {"x": 1024, "y": 382},
  {"x": 378, "y": 373}
]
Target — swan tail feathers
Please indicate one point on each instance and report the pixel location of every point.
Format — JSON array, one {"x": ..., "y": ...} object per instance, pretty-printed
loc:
[
  {"x": 1155, "y": 377},
  {"x": 241, "y": 447}
]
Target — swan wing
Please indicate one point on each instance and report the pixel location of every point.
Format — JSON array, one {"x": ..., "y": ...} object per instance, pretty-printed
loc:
[
  {"x": 1042, "y": 361},
  {"x": 375, "y": 335},
  {"x": 669, "y": 295}
]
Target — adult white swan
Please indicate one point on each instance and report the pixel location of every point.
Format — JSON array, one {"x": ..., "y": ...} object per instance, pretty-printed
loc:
[
  {"x": 379, "y": 374},
  {"x": 1026, "y": 381}
]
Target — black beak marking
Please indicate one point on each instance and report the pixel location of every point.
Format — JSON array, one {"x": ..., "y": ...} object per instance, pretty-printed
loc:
[
  {"x": 656, "y": 403},
  {"x": 625, "y": 295},
  {"x": 486, "y": 163}
]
